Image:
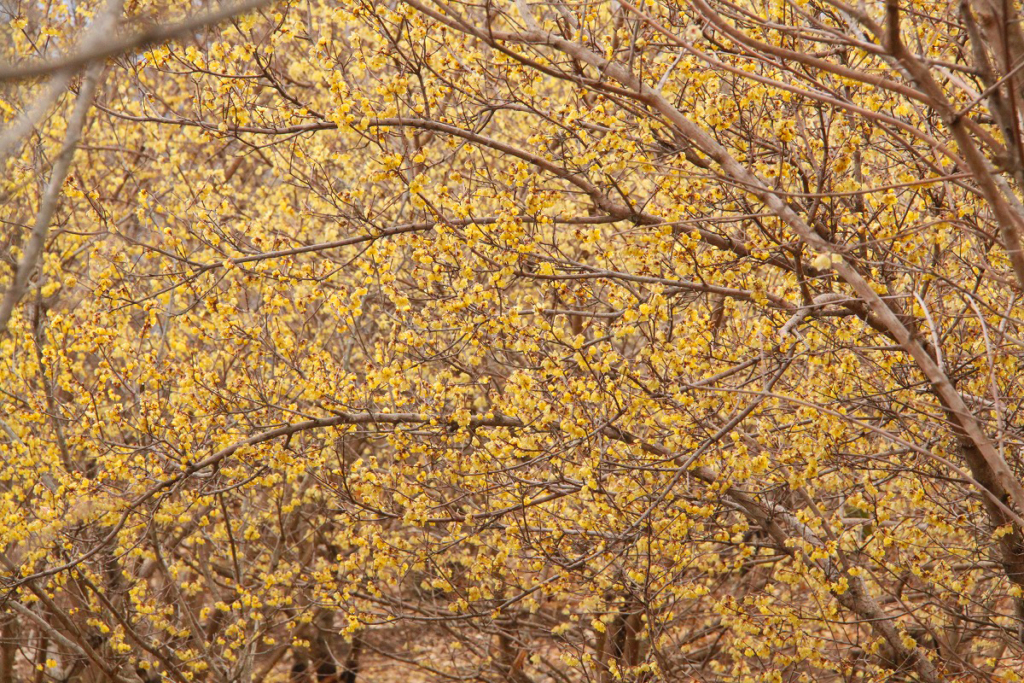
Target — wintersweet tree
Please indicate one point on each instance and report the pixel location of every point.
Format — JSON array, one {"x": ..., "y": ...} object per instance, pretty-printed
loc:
[{"x": 533, "y": 341}]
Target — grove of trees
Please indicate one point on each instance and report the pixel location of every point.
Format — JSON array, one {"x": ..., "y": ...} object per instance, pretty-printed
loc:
[{"x": 507, "y": 340}]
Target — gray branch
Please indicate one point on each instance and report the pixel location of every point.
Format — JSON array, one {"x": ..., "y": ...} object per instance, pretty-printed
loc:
[
  {"x": 112, "y": 48},
  {"x": 34, "y": 249}
]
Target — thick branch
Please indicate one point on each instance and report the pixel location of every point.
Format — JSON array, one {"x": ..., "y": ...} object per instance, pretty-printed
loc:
[
  {"x": 34, "y": 249},
  {"x": 159, "y": 33}
]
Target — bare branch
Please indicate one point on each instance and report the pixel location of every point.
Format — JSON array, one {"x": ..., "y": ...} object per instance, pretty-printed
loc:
[
  {"x": 51, "y": 196},
  {"x": 151, "y": 36}
]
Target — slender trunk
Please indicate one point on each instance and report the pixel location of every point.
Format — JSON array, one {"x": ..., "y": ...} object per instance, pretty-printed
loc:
[{"x": 8, "y": 649}]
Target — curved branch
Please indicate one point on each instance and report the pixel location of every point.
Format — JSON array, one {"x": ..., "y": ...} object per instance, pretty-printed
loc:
[
  {"x": 160, "y": 33},
  {"x": 34, "y": 249}
]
